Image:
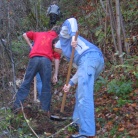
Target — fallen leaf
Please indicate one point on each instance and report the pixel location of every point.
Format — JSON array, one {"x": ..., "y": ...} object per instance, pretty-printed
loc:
[
  {"x": 136, "y": 91},
  {"x": 110, "y": 123},
  {"x": 115, "y": 109},
  {"x": 47, "y": 134},
  {"x": 132, "y": 132},
  {"x": 121, "y": 129},
  {"x": 134, "y": 105}
]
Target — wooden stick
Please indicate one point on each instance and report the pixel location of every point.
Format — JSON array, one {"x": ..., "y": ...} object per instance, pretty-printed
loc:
[
  {"x": 35, "y": 91},
  {"x": 28, "y": 121},
  {"x": 68, "y": 76},
  {"x": 62, "y": 129}
]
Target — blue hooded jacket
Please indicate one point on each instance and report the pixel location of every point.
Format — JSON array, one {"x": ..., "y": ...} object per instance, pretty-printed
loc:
[{"x": 69, "y": 29}]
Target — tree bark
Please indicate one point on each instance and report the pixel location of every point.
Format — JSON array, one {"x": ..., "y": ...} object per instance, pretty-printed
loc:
[
  {"x": 124, "y": 34},
  {"x": 111, "y": 24},
  {"x": 10, "y": 51},
  {"x": 118, "y": 30}
]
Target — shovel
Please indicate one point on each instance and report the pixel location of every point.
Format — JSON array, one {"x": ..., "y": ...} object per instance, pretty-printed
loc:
[{"x": 58, "y": 118}]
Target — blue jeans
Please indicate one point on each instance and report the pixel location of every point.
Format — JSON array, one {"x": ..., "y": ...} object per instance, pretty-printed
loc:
[
  {"x": 38, "y": 85},
  {"x": 90, "y": 66},
  {"x": 41, "y": 65}
]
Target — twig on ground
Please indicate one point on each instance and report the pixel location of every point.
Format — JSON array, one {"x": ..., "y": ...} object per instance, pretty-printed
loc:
[
  {"x": 52, "y": 136},
  {"x": 28, "y": 122},
  {"x": 12, "y": 100}
]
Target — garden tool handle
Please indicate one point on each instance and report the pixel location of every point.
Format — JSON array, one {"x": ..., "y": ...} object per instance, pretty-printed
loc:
[
  {"x": 68, "y": 75},
  {"x": 35, "y": 91}
]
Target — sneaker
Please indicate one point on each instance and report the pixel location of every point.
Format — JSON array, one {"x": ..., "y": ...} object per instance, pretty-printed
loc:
[
  {"x": 37, "y": 101},
  {"x": 80, "y": 136}
]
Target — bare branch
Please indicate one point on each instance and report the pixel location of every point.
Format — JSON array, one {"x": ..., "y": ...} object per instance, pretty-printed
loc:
[{"x": 27, "y": 121}]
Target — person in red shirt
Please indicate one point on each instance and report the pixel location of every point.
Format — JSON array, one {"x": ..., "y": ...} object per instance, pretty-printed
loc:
[{"x": 40, "y": 61}]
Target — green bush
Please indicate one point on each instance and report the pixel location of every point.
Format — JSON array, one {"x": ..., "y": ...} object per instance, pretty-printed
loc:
[
  {"x": 99, "y": 83},
  {"x": 120, "y": 87},
  {"x": 121, "y": 102},
  {"x": 16, "y": 126}
]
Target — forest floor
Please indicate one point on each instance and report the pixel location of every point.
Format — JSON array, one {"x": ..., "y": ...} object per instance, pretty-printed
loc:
[{"x": 114, "y": 118}]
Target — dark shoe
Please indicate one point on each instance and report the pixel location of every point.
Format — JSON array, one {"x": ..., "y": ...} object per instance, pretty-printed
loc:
[
  {"x": 80, "y": 136},
  {"x": 59, "y": 118}
]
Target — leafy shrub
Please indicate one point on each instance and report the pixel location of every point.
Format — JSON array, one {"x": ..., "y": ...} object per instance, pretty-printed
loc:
[
  {"x": 121, "y": 102},
  {"x": 119, "y": 87},
  {"x": 12, "y": 125},
  {"x": 99, "y": 83}
]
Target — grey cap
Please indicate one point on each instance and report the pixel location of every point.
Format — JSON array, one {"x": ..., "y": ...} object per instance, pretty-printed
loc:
[{"x": 56, "y": 29}]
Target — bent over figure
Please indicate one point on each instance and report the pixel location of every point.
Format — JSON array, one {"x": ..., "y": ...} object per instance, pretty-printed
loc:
[
  {"x": 40, "y": 61},
  {"x": 90, "y": 62}
]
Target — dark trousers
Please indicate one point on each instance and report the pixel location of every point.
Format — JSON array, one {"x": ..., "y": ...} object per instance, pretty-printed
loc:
[
  {"x": 41, "y": 65},
  {"x": 53, "y": 19}
]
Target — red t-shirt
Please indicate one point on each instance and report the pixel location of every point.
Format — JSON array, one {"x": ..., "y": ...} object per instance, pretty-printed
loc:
[{"x": 43, "y": 44}]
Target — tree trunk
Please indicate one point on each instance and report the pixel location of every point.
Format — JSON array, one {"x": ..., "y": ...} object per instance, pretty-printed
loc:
[
  {"x": 118, "y": 30},
  {"x": 10, "y": 51},
  {"x": 112, "y": 25},
  {"x": 124, "y": 34}
]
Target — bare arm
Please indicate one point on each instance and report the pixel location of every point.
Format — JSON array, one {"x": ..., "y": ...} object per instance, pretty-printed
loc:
[
  {"x": 74, "y": 42},
  {"x": 56, "y": 71},
  {"x": 27, "y": 40},
  {"x": 72, "y": 81}
]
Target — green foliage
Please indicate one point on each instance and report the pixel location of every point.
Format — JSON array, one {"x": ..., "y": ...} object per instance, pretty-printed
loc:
[
  {"x": 136, "y": 74},
  {"x": 5, "y": 119},
  {"x": 25, "y": 23},
  {"x": 18, "y": 48},
  {"x": 20, "y": 126},
  {"x": 101, "y": 121},
  {"x": 94, "y": 21},
  {"x": 99, "y": 34},
  {"x": 120, "y": 87},
  {"x": 20, "y": 51},
  {"x": 71, "y": 129},
  {"x": 129, "y": 67},
  {"x": 16, "y": 125},
  {"x": 113, "y": 130},
  {"x": 122, "y": 84},
  {"x": 130, "y": 12},
  {"x": 121, "y": 102},
  {"x": 99, "y": 83}
]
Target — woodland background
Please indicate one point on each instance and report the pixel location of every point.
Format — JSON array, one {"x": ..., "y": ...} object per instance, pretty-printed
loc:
[{"x": 110, "y": 24}]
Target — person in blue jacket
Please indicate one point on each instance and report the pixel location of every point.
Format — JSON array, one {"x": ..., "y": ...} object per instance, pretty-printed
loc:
[{"x": 90, "y": 63}]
